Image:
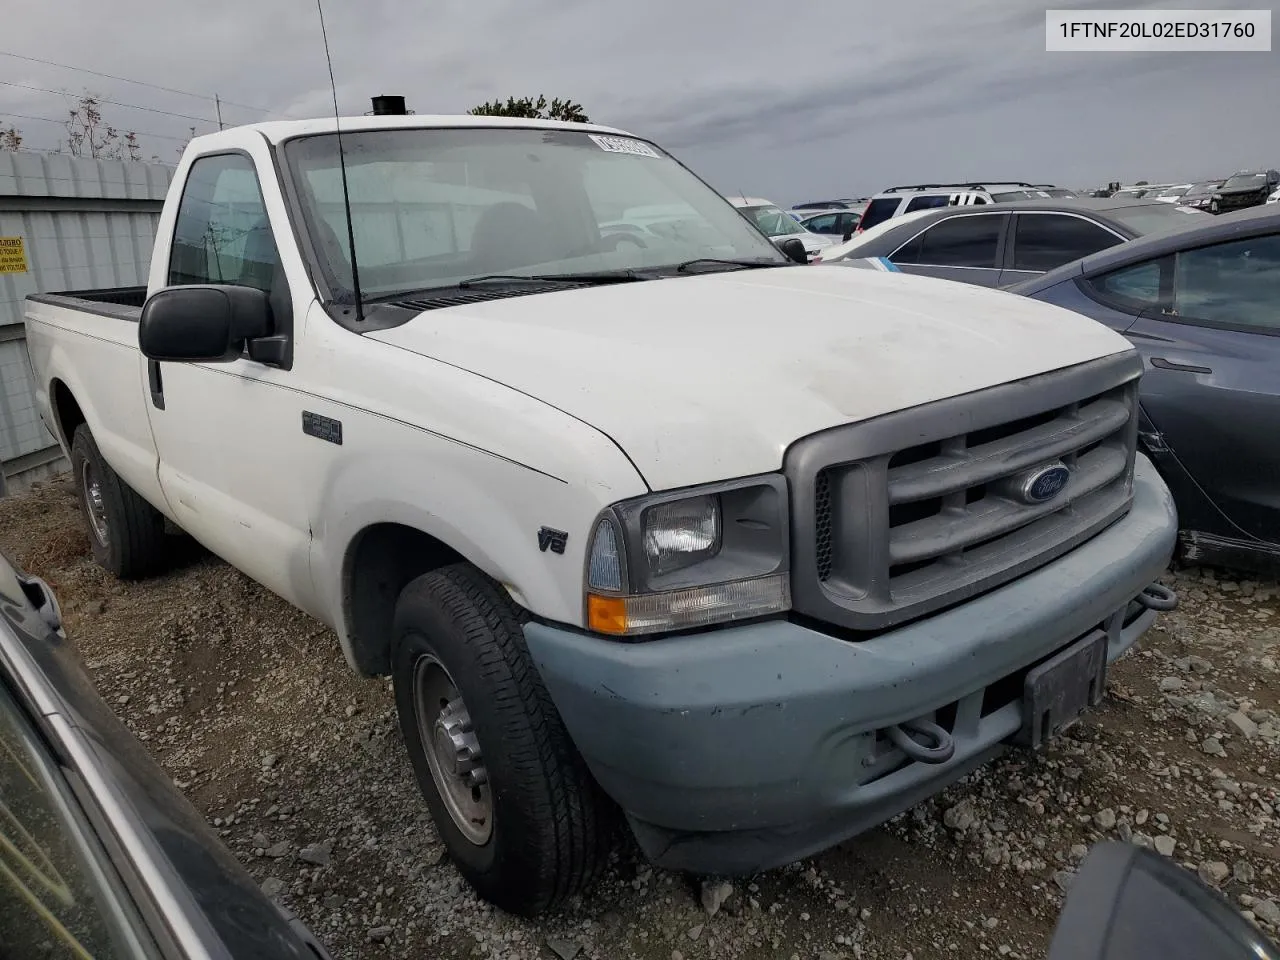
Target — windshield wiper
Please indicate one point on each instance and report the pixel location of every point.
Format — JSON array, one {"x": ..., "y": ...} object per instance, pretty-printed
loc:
[
  {"x": 743, "y": 264},
  {"x": 610, "y": 276}
]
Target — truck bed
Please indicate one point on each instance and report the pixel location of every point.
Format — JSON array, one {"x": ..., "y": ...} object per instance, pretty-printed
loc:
[{"x": 123, "y": 303}]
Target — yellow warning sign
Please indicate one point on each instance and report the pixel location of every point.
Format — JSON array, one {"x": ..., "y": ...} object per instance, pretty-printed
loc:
[{"x": 13, "y": 258}]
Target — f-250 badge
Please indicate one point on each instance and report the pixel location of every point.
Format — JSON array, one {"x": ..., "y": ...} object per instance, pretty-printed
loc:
[{"x": 555, "y": 539}]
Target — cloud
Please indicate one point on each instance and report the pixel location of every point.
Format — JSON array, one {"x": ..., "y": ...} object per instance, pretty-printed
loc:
[{"x": 826, "y": 97}]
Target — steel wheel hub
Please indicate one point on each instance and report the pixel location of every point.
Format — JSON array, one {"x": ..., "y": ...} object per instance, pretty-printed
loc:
[
  {"x": 452, "y": 750},
  {"x": 95, "y": 505}
]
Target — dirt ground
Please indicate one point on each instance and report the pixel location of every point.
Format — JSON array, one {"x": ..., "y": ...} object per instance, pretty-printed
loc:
[{"x": 298, "y": 765}]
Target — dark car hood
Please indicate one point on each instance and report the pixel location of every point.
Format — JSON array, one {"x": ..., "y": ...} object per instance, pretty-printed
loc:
[{"x": 1263, "y": 187}]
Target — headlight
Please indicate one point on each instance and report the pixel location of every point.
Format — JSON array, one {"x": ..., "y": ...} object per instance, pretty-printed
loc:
[{"x": 671, "y": 561}]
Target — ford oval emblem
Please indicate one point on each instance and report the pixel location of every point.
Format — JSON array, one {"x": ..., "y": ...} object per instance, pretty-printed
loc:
[{"x": 1044, "y": 483}]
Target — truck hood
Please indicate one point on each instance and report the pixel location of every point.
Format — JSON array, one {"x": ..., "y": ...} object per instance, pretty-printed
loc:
[{"x": 712, "y": 377}]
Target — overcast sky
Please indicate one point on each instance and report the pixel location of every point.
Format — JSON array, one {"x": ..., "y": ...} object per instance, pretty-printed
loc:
[{"x": 793, "y": 101}]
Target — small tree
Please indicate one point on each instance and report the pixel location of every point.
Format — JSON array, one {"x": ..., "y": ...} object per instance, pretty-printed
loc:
[
  {"x": 10, "y": 139},
  {"x": 182, "y": 147},
  {"x": 88, "y": 135},
  {"x": 533, "y": 109}
]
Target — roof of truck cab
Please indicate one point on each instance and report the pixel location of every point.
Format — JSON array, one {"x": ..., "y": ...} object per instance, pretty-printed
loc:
[{"x": 279, "y": 130}]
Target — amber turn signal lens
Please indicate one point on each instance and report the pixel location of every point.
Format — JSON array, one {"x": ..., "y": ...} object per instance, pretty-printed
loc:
[{"x": 606, "y": 614}]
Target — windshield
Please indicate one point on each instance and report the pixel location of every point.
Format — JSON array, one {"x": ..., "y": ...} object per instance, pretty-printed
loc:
[
  {"x": 1173, "y": 191},
  {"x": 1009, "y": 196},
  {"x": 772, "y": 221},
  {"x": 1155, "y": 217},
  {"x": 1203, "y": 189},
  {"x": 1248, "y": 181},
  {"x": 432, "y": 207}
]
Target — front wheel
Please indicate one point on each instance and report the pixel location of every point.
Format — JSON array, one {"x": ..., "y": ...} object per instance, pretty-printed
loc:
[{"x": 511, "y": 797}]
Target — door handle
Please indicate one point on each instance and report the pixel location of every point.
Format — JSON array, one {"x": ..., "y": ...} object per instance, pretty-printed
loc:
[
  {"x": 1161, "y": 363},
  {"x": 155, "y": 383}
]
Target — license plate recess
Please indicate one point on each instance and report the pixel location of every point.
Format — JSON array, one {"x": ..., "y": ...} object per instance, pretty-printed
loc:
[{"x": 1058, "y": 691}]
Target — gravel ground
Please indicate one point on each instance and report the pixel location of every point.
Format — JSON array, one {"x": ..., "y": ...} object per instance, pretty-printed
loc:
[{"x": 298, "y": 765}]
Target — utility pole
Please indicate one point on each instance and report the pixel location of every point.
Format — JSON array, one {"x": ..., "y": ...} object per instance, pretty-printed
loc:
[{"x": 218, "y": 103}]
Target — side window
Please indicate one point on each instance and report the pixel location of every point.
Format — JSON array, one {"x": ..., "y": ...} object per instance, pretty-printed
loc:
[
  {"x": 879, "y": 210},
  {"x": 824, "y": 224},
  {"x": 1142, "y": 286},
  {"x": 1043, "y": 241},
  {"x": 223, "y": 234},
  {"x": 969, "y": 241},
  {"x": 1234, "y": 284},
  {"x": 928, "y": 202},
  {"x": 53, "y": 901}
]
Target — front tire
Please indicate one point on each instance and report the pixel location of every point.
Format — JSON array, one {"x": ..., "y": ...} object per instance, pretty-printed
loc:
[
  {"x": 126, "y": 533},
  {"x": 511, "y": 797}
]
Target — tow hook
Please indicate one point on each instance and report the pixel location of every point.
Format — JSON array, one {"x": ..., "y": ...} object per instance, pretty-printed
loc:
[
  {"x": 940, "y": 746},
  {"x": 1156, "y": 596}
]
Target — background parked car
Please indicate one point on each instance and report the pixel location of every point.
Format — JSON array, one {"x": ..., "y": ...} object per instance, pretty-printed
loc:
[
  {"x": 896, "y": 201},
  {"x": 848, "y": 249},
  {"x": 776, "y": 225},
  {"x": 1171, "y": 194},
  {"x": 1057, "y": 193},
  {"x": 103, "y": 856},
  {"x": 1006, "y": 243},
  {"x": 1200, "y": 195},
  {"x": 1200, "y": 304},
  {"x": 834, "y": 223},
  {"x": 1248, "y": 188},
  {"x": 823, "y": 205}
]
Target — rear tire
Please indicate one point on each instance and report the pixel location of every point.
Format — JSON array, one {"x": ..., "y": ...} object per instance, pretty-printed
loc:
[
  {"x": 126, "y": 533},
  {"x": 537, "y": 828}
]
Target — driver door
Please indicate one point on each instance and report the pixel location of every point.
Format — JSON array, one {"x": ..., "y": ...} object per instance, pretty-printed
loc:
[{"x": 235, "y": 466}]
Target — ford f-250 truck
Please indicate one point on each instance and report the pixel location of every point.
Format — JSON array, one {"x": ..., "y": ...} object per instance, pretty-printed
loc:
[{"x": 641, "y": 517}]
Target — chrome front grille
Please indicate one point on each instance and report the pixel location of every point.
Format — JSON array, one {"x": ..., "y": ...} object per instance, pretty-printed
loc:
[{"x": 886, "y": 530}]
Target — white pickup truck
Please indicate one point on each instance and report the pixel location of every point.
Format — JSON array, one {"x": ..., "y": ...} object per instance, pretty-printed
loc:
[{"x": 639, "y": 518}]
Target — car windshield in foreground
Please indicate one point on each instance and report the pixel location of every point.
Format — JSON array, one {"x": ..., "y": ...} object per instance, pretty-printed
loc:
[
  {"x": 1158, "y": 217},
  {"x": 772, "y": 221},
  {"x": 432, "y": 207},
  {"x": 1246, "y": 181}
]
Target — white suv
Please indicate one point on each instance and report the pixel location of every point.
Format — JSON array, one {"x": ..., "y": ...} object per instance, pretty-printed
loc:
[{"x": 924, "y": 196}]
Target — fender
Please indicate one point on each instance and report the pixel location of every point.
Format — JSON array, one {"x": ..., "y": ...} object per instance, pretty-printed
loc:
[{"x": 487, "y": 509}]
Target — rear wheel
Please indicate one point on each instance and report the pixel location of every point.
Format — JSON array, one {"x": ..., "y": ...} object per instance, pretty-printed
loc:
[
  {"x": 512, "y": 799},
  {"x": 126, "y": 533}
]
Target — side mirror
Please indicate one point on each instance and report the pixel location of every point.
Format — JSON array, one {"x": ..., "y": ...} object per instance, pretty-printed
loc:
[
  {"x": 794, "y": 249},
  {"x": 1128, "y": 903},
  {"x": 207, "y": 323}
]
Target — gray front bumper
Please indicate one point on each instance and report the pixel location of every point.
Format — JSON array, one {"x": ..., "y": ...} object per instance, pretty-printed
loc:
[{"x": 744, "y": 748}]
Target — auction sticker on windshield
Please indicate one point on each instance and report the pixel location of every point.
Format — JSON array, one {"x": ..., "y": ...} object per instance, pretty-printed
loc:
[{"x": 623, "y": 145}]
